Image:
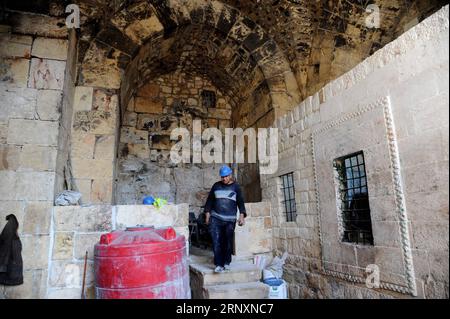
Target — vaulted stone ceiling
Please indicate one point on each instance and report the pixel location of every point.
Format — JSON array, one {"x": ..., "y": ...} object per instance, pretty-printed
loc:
[{"x": 320, "y": 39}]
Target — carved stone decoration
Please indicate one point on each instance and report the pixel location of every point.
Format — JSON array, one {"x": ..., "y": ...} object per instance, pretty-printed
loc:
[{"x": 348, "y": 268}]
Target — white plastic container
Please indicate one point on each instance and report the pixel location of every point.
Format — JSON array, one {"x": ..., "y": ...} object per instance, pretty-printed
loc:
[{"x": 277, "y": 288}]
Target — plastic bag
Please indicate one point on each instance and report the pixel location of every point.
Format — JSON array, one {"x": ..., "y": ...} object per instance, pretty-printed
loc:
[
  {"x": 67, "y": 198},
  {"x": 275, "y": 269}
]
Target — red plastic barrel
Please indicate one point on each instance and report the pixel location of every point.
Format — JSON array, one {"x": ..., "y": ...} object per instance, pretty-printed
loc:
[{"x": 141, "y": 263}]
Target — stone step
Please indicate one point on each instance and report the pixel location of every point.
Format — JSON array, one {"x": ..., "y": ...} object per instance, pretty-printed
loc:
[
  {"x": 240, "y": 272},
  {"x": 247, "y": 290}
]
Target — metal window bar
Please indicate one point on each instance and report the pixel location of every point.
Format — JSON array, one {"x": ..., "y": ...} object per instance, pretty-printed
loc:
[
  {"x": 288, "y": 190},
  {"x": 354, "y": 198},
  {"x": 208, "y": 99}
]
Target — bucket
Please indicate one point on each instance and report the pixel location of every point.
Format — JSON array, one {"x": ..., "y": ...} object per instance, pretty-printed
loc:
[{"x": 277, "y": 289}]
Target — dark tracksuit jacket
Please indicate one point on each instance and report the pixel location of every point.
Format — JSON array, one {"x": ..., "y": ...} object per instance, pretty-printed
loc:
[{"x": 223, "y": 201}]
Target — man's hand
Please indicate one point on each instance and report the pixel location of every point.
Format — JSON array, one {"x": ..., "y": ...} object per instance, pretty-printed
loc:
[
  {"x": 207, "y": 215},
  {"x": 241, "y": 221}
]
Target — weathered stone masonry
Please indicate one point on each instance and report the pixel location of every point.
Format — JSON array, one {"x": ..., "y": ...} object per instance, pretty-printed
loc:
[
  {"x": 394, "y": 107},
  {"x": 91, "y": 110}
]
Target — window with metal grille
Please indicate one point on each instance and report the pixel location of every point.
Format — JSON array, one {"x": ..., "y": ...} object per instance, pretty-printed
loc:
[
  {"x": 288, "y": 190},
  {"x": 208, "y": 98},
  {"x": 354, "y": 199}
]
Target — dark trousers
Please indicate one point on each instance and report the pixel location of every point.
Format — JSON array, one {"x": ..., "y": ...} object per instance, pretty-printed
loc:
[{"x": 222, "y": 238}]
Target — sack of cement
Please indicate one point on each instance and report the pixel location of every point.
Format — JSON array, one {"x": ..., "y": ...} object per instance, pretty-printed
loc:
[{"x": 67, "y": 198}]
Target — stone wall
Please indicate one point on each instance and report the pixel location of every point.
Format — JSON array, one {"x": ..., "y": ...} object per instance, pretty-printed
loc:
[
  {"x": 76, "y": 230},
  {"x": 32, "y": 75},
  {"x": 93, "y": 143},
  {"x": 393, "y": 107},
  {"x": 163, "y": 104}
]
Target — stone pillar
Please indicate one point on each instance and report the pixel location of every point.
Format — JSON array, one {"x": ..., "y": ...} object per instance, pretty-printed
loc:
[{"x": 32, "y": 75}]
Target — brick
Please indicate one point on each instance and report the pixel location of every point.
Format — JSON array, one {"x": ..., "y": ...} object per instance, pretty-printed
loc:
[{"x": 32, "y": 132}]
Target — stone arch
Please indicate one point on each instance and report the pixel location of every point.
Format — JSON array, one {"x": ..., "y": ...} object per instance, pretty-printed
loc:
[
  {"x": 146, "y": 39},
  {"x": 238, "y": 52}
]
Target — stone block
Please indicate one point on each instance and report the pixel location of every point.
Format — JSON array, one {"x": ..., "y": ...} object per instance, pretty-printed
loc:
[
  {"x": 35, "y": 251},
  {"x": 101, "y": 192},
  {"x": 221, "y": 114},
  {"x": 14, "y": 72},
  {"x": 149, "y": 90},
  {"x": 84, "y": 187},
  {"x": 65, "y": 274},
  {"x": 3, "y": 131},
  {"x": 95, "y": 218},
  {"x": 11, "y": 157},
  {"x": 147, "y": 105},
  {"x": 46, "y": 74},
  {"x": 141, "y": 151},
  {"x": 83, "y": 145},
  {"x": 100, "y": 67},
  {"x": 48, "y": 106},
  {"x": 439, "y": 264},
  {"x": 95, "y": 122},
  {"x": 83, "y": 98},
  {"x": 133, "y": 136},
  {"x": 17, "y": 103},
  {"x": 92, "y": 168},
  {"x": 40, "y": 25},
  {"x": 33, "y": 186},
  {"x": 15, "y": 46},
  {"x": 253, "y": 238},
  {"x": 85, "y": 242},
  {"x": 55, "y": 49},
  {"x": 63, "y": 246},
  {"x": 104, "y": 147},
  {"x": 32, "y": 132},
  {"x": 132, "y": 215},
  {"x": 104, "y": 101},
  {"x": 37, "y": 217},
  {"x": 7, "y": 185},
  {"x": 148, "y": 122},
  {"x": 430, "y": 235},
  {"x": 161, "y": 142},
  {"x": 386, "y": 234},
  {"x": 130, "y": 119},
  {"x": 38, "y": 158}
]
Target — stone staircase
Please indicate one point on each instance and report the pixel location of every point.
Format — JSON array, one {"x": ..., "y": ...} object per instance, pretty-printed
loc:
[{"x": 241, "y": 282}]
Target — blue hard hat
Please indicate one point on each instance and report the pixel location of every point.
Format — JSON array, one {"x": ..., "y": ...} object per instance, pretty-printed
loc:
[
  {"x": 225, "y": 171},
  {"x": 149, "y": 200}
]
